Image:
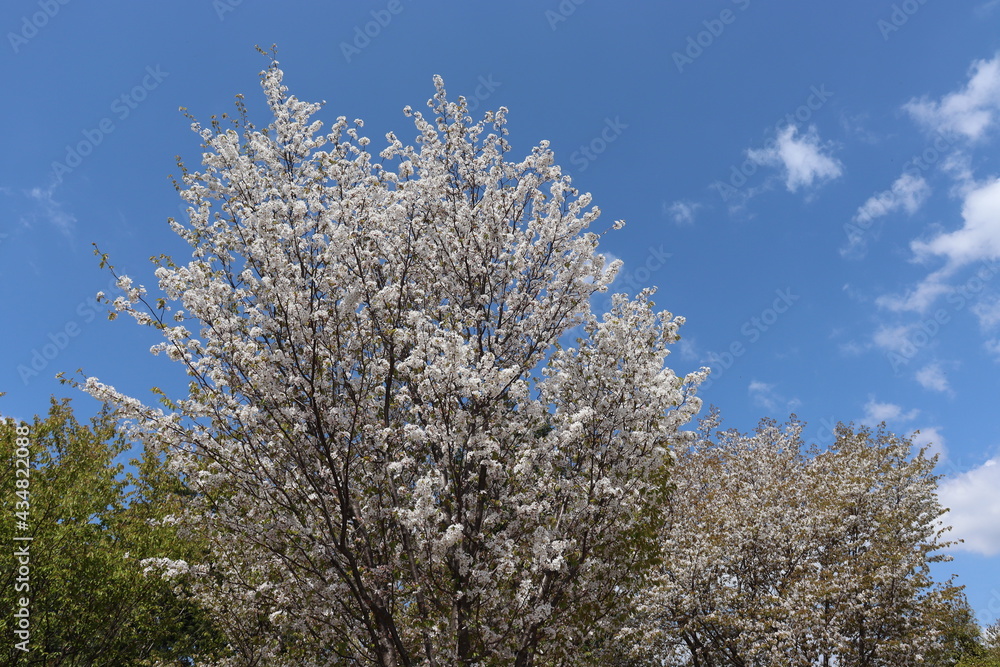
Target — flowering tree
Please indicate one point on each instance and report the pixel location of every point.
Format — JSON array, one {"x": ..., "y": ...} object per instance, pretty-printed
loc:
[
  {"x": 778, "y": 554},
  {"x": 393, "y": 457}
]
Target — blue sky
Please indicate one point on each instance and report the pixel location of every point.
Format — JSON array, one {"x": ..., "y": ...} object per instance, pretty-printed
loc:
[{"x": 812, "y": 185}]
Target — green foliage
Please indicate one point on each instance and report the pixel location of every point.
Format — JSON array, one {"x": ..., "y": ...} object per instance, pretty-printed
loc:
[
  {"x": 983, "y": 650},
  {"x": 91, "y": 525}
]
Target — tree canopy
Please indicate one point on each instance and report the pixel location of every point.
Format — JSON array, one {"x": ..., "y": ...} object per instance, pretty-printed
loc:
[
  {"x": 392, "y": 457},
  {"x": 407, "y": 438},
  {"x": 775, "y": 552}
]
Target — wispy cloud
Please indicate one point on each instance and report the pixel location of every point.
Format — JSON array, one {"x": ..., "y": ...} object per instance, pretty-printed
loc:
[
  {"x": 986, "y": 8},
  {"x": 893, "y": 338},
  {"x": 876, "y": 413},
  {"x": 918, "y": 299},
  {"x": 908, "y": 193},
  {"x": 897, "y": 418},
  {"x": 987, "y": 311},
  {"x": 765, "y": 396},
  {"x": 681, "y": 212},
  {"x": 51, "y": 210},
  {"x": 688, "y": 349},
  {"x": 802, "y": 160},
  {"x": 969, "y": 112}
]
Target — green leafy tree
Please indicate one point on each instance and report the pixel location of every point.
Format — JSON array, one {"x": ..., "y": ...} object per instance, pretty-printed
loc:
[
  {"x": 982, "y": 653},
  {"x": 91, "y": 524}
]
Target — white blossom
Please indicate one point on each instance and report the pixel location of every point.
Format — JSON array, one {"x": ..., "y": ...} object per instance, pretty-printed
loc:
[{"x": 387, "y": 450}]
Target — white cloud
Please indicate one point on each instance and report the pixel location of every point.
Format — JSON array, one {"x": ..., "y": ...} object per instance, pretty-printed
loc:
[
  {"x": 979, "y": 237},
  {"x": 932, "y": 377},
  {"x": 802, "y": 160},
  {"x": 978, "y": 240},
  {"x": 682, "y": 212},
  {"x": 876, "y": 412},
  {"x": 969, "y": 112},
  {"x": 974, "y": 507},
  {"x": 764, "y": 396},
  {"x": 993, "y": 347},
  {"x": 908, "y": 192}
]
